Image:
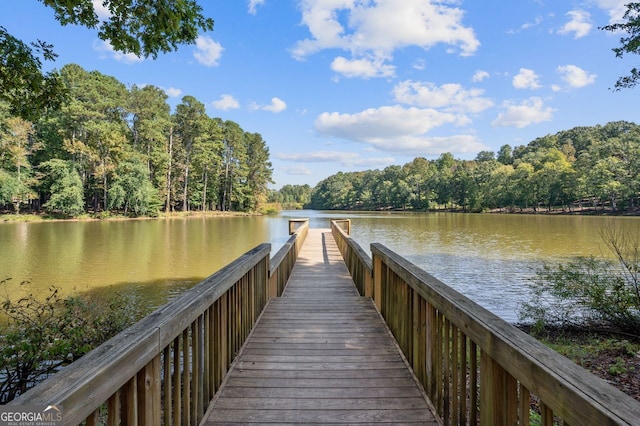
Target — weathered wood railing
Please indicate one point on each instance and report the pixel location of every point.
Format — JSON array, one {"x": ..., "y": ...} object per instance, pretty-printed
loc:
[
  {"x": 166, "y": 368},
  {"x": 477, "y": 368},
  {"x": 282, "y": 262},
  {"x": 357, "y": 260}
]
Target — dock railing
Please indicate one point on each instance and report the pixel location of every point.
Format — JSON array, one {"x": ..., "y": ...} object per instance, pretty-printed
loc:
[
  {"x": 282, "y": 262},
  {"x": 357, "y": 260},
  {"x": 475, "y": 367},
  {"x": 166, "y": 368}
]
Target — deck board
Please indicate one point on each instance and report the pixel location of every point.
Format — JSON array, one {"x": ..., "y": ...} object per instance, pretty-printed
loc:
[{"x": 320, "y": 354}]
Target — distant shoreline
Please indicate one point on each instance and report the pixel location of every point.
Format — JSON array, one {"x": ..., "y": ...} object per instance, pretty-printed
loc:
[{"x": 30, "y": 217}]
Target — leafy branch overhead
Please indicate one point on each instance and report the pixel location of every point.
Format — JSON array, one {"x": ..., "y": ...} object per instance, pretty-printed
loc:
[
  {"x": 142, "y": 27},
  {"x": 628, "y": 44}
]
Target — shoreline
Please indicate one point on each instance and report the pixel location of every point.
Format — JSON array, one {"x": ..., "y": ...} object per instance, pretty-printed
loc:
[{"x": 35, "y": 218}]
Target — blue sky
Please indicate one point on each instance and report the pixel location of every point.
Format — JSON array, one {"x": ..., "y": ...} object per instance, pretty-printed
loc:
[{"x": 348, "y": 85}]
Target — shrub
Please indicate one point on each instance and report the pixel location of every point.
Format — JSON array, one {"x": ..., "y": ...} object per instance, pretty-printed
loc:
[
  {"x": 41, "y": 336},
  {"x": 587, "y": 291}
]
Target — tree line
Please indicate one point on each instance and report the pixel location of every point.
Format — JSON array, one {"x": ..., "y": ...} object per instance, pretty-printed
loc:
[
  {"x": 108, "y": 149},
  {"x": 594, "y": 167}
]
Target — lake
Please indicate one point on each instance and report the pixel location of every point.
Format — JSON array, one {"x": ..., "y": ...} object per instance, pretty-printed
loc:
[{"x": 487, "y": 257}]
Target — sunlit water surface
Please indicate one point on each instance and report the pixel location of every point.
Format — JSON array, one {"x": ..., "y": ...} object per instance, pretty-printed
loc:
[{"x": 489, "y": 258}]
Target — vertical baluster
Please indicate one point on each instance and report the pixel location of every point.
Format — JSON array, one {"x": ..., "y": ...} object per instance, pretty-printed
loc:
[
  {"x": 547, "y": 414},
  {"x": 417, "y": 336},
  {"x": 431, "y": 355},
  {"x": 498, "y": 393},
  {"x": 129, "y": 406},
  {"x": 446, "y": 369},
  {"x": 455, "y": 374},
  {"x": 186, "y": 379},
  {"x": 473, "y": 385},
  {"x": 148, "y": 390},
  {"x": 524, "y": 406},
  {"x": 463, "y": 379},
  {"x": 94, "y": 418},
  {"x": 438, "y": 365},
  {"x": 224, "y": 334},
  {"x": 113, "y": 409},
  {"x": 206, "y": 384},
  {"x": 177, "y": 383},
  {"x": 167, "y": 386},
  {"x": 195, "y": 370}
]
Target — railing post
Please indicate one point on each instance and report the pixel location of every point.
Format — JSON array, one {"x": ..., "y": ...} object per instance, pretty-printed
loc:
[
  {"x": 368, "y": 284},
  {"x": 377, "y": 280},
  {"x": 293, "y": 222},
  {"x": 149, "y": 393},
  {"x": 498, "y": 394}
]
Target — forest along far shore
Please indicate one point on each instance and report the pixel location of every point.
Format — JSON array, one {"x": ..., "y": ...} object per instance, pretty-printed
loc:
[
  {"x": 110, "y": 150},
  {"x": 590, "y": 170},
  {"x": 113, "y": 151}
]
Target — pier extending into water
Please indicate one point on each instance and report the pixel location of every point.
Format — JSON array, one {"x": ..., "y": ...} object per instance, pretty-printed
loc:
[{"x": 322, "y": 333}]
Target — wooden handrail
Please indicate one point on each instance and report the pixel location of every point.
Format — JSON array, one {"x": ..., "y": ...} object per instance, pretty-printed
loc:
[
  {"x": 166, "y": 368},
  {"x": 477, "y": 367},
  {"x": 357, "y": 260},
  {"x": 169, "y": 364},
  {"x": 297, "y": 223},
  {"x": 282, "y": 262}
]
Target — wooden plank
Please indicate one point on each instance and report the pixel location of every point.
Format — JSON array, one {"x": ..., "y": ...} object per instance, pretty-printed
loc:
[
  {"x": 419, "y": 416},
  {"x": 315, "y": 393},
  {"x": 318, "y": 354},
  {"x": 323, "y": 403}
]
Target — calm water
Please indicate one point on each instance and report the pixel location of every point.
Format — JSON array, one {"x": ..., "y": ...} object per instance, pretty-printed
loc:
[{"x": 486, "y": 257}]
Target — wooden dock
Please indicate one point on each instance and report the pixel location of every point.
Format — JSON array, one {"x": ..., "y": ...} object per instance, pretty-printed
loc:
[{"x": 320, "y": 354}]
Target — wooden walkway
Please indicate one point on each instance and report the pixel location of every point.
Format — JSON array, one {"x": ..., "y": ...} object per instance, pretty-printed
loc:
[{"x": 320, "y": 354}]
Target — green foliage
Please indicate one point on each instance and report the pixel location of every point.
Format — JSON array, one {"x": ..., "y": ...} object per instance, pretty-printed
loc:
[
  {"x": 8, "y": 187},
  {"x": 28, "y": 91},
  {"x": 291, "y": 195},
  {"x": 590, "y": 291},
  {"x": 580, "y": 168},
  {"x": 107, "y": 147},
  {"x": 132, "y": 190},
  {"x": 142, "y": 27},
  {"x": 629, "y": 43},
  {"x": 65, "y": 187},
  {"x": 42, "y": 335}
]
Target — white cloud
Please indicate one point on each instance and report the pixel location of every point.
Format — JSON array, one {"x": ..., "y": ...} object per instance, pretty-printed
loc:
[
  {"x": 317, "y": 156},
  {"x": 341, "y": 157},
  {"x": 297, "y": 170},
  {"x": 575, "y": 76},
  {"x": 529, "y": 111},
  {"x": 106, "y": 50},
  {"x": 364, "y": 68},
  {"x": 253, "y": 5},
  {"x": 419, "y": 64},
  {"x": 370, "y": 29},
  {"x": 397, "y": 129},
  {"x": 226, "y": 102},
  {"x": 579, "y": 24},
  {"x": 479, "y": 76},
  {"x": 102, "y": 12},
  {"x": 276, "y": 105},
  {"x": 615, "y": 9},
  {"x": 526, "y": 79},
  {"x": 451, "y": 97},
  {"x": 208, "y": 51},
  {"x": 537, "y": 21},
  {"x": 172, "y": 92}
]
